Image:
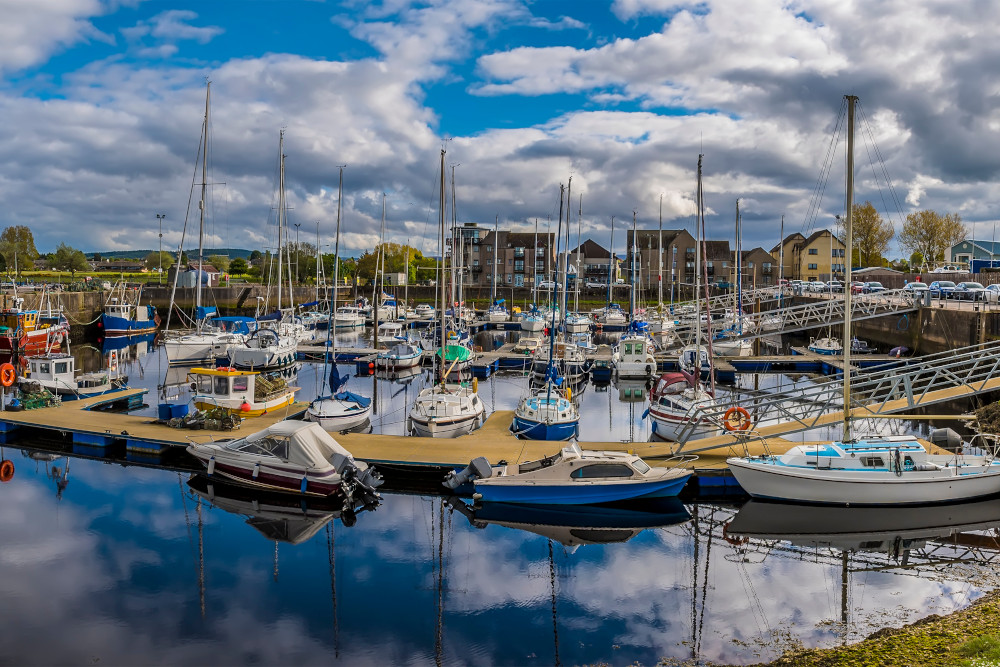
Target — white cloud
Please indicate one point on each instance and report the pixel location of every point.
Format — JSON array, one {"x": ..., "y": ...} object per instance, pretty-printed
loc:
[{"x": 34, "y": 30}]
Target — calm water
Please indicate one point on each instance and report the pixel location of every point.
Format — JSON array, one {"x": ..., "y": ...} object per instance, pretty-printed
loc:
[{"x": 111, "y": 564}]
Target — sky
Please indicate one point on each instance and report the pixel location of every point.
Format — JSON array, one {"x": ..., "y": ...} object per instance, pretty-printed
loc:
[{"x": 103, "y": 101}]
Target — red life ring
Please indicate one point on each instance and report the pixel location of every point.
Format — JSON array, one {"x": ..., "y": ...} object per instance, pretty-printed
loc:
[
  {"x": 744, "y": 422},
  {"x": 7, "y": 375},
  {"x": 6, "y": 470}
]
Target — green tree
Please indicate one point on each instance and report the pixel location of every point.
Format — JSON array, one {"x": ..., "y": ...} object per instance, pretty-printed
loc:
[
  {"x": 97, "y": 257},
  {"x": 153, "y": 260},
  {"x": 66, "y": 258},
  {"x": 238, "y": 266},
  {"x": 871, "y": 234},
  {"x": 17, "y": 245},
  {"x": 221, "y": 262},
  {"x": 930, "y": 233},
  {"x": 256, "y": 256},
  {"x": 916, "y": 260}
]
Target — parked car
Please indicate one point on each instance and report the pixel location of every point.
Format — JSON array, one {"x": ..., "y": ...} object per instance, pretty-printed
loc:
[
  {"x": 970, "y": 291},
  {"x": 942, "y": 289},
  {"x": 835, "y": 286},
  {"x": 857, "y": 286},
  {"x": 817, "y": 286},
  {"x": 872, "y": 287},
  {"x": 916, "y": 287},
  {"x": 594, "y": 283},
  {"x": 992, "y": 294}
]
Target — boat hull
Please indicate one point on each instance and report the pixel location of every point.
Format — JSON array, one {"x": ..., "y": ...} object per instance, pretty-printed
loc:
[
  {"x": 334, "y": 422},
  {"x": 284, "y": 479},
  {"x": 579, "y": 492},
  {"x": 534, "y": 430},
  {"x": 445, "y": 427},
  {"x": 120, "y": 326},
  {"x": 776, "y": 482}
]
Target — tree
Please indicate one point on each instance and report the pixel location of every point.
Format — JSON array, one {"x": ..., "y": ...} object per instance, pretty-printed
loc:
[
  {"x": 221, "y": 262},
  {"x": 930, "y": 233},
  {"x": 153, "y": 260},
  {"x": 17, "y": 245},
  {"x": 256, "y": 256},
  {"x": 871, "y": 234},
  {"x": 916, "y": 260},
  {"x": 238, "y": 266},
  {"x": 69, "y": 259},
  {"x": 97, "y": 257}
]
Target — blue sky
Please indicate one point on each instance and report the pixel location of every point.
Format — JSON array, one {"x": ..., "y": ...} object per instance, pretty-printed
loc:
[{"x": 103, "y": 100}]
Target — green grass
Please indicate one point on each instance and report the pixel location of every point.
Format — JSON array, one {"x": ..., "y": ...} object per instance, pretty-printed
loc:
[{"x": 981, "y": 651}]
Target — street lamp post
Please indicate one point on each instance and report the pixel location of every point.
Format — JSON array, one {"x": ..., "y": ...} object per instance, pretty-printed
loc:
[{"x": 159, "y": 221}]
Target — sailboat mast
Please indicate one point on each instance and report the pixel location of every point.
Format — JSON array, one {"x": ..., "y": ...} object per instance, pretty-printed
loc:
[
  {"x": 534, "y": 261},
  {"x": 565, "y": 267},
  {"x": 565, "y": 252},
  {"x": 579, "y": 257},
  {"x": 319, "y": 263},
  {"x": 851, "y": 101},
  {"x": 739, "y": 267},
  {"x": 331, "y": 326},
  {"x": 697, "y": 274},
  {"x": 496, "y": 236},
  {"x": 406, "y": 285},
  {"x": 281, "y": 207},
  {"x": 632, "y": 271},
  {"x": 201, "y": 207},
  {"x": 611, "y": 259},
  {"x": 443, "y": 307},
  {"x": 659, "y": 266}
]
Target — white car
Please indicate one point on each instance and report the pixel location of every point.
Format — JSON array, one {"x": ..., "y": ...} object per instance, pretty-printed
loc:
[
  {"x": 596, "y": 284},
  {"x": 547, "y": 284},
  {"x": 992, "y": 294},
  {"x": 817, "y": 286},
  {"x": 916, "y": 287}
]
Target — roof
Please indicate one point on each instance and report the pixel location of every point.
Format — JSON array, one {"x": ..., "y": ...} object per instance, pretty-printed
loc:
[
  {"x": 207, "y": 268},
  {"x": 590, "y": 249},
  {"x": 650, "y": 238},
  {"x": 789, "y": 239},
  {"x": 991, "y": 247},
  {"x": 820, "y": 233}
]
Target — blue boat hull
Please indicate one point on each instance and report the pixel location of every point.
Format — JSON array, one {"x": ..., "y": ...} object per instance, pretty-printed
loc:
[
  {"x": 120, "y": 326},
  {"x": 531, "y": 430},
  {"x": 581, "y": 494}
]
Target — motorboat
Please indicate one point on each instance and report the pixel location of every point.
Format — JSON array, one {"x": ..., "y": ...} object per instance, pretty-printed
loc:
[
  {"x": 577, "y": 323},
  {"x": 885, "y": 470},
  {"x": 264, "y": 349},
  {"x": 613, "y": 315},
  {"x": 399, "y": 356},
  {"x": 572, "y": 476},
  {"x": 497, "y": 312},
  {"x": 692, "y": 357},
  {"x": 674, "y": 408},
  {"x": 212, "y": 341},
  {"x": 446, "y": 410},
  {"x": 347, "y": 317},
  {"x": 456, "y": 358},
  {"x": 633, "y": 356},
  {"x": 526, "y": 345},
  {"x": 387, "y": 330},
  {"x": 245, "y": 393},
  {"x": 424, "y": 311},
  {"x": 124, "y": 315},
  {"x": 827, "y": 346},
  {"x": 532, "y": 321},
  {"x": 56, "y": 372},
  {"x": 291, "y": 457}
]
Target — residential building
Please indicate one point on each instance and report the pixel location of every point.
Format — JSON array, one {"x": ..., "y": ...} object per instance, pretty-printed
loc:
[
  {"x": 644, "y": 256},
  {"x": 592, "y": 261},
  {"x": 518, "y": 259},
  {"x": 821, "y": 256},
  {"x": 189, "y": 275},
  {"x": 759, "y": 268},
  {"x": 718, "y": 263}
]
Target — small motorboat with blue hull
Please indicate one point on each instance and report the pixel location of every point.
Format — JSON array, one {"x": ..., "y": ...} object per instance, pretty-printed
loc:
[{"x": 571, "y": 477}]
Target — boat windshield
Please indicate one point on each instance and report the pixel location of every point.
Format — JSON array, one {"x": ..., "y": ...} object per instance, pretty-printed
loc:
[
  {"x": 640, "y": 465},
  {"x": 268, "y": 446}
]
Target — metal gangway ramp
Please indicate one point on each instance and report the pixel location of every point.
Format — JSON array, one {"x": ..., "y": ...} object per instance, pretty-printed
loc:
[
  {"x": 824, "y": 312},
  {"x": 893, "y": 388}
]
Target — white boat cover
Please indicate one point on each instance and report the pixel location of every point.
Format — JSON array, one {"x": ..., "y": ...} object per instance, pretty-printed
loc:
[{"x": 308, "y": 444}]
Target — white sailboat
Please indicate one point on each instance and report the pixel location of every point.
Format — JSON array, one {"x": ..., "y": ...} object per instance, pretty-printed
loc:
[
  {"x": 497, "y": 312},
  {"x": 340, "y": 410},
  {"x": 888, "y": 470},
  {"x": 206, "y": 342},
  {"x": 445, "y": 410},
  {"x": 675, "y": 406}
]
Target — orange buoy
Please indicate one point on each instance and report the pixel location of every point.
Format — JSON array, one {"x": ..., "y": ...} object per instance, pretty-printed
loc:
[
  {"x": 7, "y": 376},
  {"x": 245, "y": 407},
  {"x": 6, "y": 470},
  {"x": 743, "y": 423}
]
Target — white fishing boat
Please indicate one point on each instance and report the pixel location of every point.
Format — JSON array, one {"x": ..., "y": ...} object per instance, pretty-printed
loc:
[
  {"x": 291, "y": 457},
  {"x": 527, "y": 345},
  {"x": 571, "y": 477},
  {"x": 424, "y": 311},
  {"x": 244, "y": 393},
  {"x": 399, "y": 356},
  {"x": 633, "y": 357},
  {"x": 387, "y": 330},
  {"x": 888, "y": 470},
  {"x": 56, "y": 372}
]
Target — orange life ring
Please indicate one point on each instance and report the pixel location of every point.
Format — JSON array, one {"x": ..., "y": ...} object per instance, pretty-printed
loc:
[
  {"x": 744, "y": 422},
  {"x": 6, "y": 470},
  {"x": 732, "y": 540},
  {"x": 7, "y": 375}
]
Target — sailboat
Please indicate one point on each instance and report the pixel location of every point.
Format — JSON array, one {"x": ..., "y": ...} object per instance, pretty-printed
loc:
[
  {"x": 885, "y": 470},
  {"x": 633, "y": 356},
  {"x": 340, "y": 410},
  {"x": 497, "y": 311},
  {"x": 727, "y": 342},
  {"x": 208, "y": 341},
  {"x": 445, "y": 410},
  {"x": 678, "y": 397},
  {"x": 548, "y": 413}
]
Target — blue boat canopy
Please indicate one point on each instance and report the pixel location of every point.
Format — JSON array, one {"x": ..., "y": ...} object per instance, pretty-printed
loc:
[
  {"x": 351, "y": 396},
  {"x": 202, "y": 312}
]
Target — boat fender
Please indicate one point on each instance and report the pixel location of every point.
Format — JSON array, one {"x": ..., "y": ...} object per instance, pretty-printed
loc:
[
  {"x": 303, "y": 484},
  {"x": 475, "y": 384},
  {"x": 569, "y": 393},
  {"x": 256, "y": 470},
  {"x": 244, "y": 407},
  {"x": 211, "y": 466},
  {"x": 6, "y": 470}
]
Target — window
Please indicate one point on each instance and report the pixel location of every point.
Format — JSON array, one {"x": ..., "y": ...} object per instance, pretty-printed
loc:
[
  {"x": 44, "y": 368},
  {"x": 475, "y": 262},
  {"x": 813, "y": 251},
  {"x": 813, "y": 267},
  {"x": 489, "y": 248},
  {"x": 641, "y": 466},
  {"x": 508, "y": 278},
  {"x": 519, "y": 265},
  {"x": 221, "y": 386},
  {"x": 205, "y": 384},
  {"x": 269, "y": 446},
  {"x": 518, "y": 252},
  {"x": 62, "y": 366},
  {"x": 241, "y": 383},
  {"x": 872, "y": 461},
  {"x": 539, "y": 252},
  {"x": 598, "y": 470}
]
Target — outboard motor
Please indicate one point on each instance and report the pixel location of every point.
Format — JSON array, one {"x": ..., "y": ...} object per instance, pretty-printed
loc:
[
  {"x": 478, "y": 468},
  {"x": 946, "y": 439}
]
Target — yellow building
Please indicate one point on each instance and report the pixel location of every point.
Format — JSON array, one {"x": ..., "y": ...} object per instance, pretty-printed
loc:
[{"x": 819, "y": 257}]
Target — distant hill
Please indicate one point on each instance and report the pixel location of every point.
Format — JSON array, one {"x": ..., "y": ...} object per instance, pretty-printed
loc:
[{"x": 233, "y": 253}]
